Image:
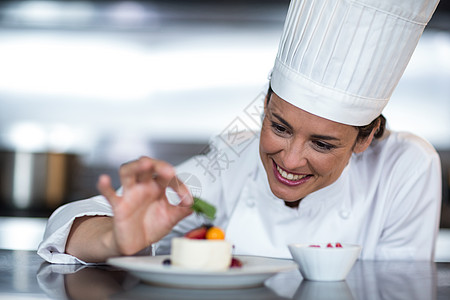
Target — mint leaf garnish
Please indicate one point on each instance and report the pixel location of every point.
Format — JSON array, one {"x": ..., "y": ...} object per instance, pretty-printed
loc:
[{"x": 202, "y": 207}]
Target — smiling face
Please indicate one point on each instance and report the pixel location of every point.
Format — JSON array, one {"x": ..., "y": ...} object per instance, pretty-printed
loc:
[{"x": 302, "y": 152}]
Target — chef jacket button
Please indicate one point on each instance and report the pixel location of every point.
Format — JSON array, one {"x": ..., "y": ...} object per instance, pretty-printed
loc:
[{"x": 344, "y": 213}]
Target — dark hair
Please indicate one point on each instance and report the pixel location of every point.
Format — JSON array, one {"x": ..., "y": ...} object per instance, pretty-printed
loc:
[{"x": 363, "y": 131}]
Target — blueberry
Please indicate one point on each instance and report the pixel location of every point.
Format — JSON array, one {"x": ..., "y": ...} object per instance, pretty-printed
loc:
[{"x": 167, "y": 262}]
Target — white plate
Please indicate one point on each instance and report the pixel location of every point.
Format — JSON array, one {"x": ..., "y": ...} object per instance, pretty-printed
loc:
[{"x": 254, "y": 271}]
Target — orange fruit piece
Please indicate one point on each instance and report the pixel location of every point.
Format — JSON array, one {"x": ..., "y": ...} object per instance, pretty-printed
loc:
[{"x": 215, "y": 233}]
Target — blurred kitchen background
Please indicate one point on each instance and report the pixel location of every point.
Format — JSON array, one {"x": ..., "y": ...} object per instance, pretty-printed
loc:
[{"x": 88, "y": 85}]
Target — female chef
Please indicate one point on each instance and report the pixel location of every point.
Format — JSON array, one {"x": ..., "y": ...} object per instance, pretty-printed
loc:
[{"x": 322, "y": 168}]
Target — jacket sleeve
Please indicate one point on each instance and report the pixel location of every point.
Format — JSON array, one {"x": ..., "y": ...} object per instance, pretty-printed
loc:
[
  {"x": 52, "y": 247},
  {"x": 413, "y": 203}
]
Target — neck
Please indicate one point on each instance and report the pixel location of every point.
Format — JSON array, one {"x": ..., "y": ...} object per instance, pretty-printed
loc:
[{"x": 292, "y": 204}]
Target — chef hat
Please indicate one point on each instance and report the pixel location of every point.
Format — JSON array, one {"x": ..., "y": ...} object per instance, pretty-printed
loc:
[{"x": 341, "y": 59}]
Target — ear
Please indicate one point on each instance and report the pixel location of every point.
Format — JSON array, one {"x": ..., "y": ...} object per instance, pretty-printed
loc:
[
  {"x": 362, "y": 145},
  {"x": 266, "y": 104}
]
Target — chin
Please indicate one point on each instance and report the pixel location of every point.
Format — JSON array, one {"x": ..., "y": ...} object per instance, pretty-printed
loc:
[{"x": 287, "y": 196}]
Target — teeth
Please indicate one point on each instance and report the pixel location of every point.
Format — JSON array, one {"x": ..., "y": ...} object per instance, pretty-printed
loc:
[{"x": 289, "y": 176}]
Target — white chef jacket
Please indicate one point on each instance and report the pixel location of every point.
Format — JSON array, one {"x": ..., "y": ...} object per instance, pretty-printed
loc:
[{"x": 387, "y": 199}]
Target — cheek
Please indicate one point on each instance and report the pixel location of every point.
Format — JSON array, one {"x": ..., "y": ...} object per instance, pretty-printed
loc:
[
  {"x": 269, "y": 142},
  {"x": 329, "y": 166}
]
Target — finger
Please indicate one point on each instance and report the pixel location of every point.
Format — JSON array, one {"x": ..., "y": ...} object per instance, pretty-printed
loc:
[
  {"x": 145, "y": 169},
  {"x": 106, "y": 189},
  {"x": 182, "y": 191},
  {"x": 179, "y": 212},
  {"x": 164, "y": 173},
  {"x": 136, "y": 171},
  {"x": 128, "y": 173}
]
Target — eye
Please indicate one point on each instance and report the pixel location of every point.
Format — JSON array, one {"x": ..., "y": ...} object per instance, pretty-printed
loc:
[
  {"x": 279, "y": 129},
  {"x": 322, "y": 146}
]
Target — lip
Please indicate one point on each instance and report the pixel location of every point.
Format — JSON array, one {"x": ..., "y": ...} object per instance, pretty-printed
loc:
[{"x": 287, "y": 181}]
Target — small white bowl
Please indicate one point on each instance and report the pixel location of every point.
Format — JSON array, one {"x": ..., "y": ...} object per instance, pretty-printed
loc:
[{"x": 323, "y": 263}]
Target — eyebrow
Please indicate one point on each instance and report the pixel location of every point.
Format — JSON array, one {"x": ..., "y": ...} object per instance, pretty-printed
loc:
[
  {"x": 315, "y": 136},
  {"x": 324, "y": 137},
  {"x": 282, "y": 120}
]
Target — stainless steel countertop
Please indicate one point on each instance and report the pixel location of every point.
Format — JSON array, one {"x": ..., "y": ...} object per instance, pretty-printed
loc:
[{"x": 23, "y": 275}]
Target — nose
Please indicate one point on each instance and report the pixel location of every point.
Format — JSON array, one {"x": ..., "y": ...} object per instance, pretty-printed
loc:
[{"x": 295, "y": 155}]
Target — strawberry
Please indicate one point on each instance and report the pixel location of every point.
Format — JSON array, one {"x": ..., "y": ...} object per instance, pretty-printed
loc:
[
  {"x": 338, "y": 245},
  {"x": 329, "y": 245},
  {"x": 197, "y": 233}
]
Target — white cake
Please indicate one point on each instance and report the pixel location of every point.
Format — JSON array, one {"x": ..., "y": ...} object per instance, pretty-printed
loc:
[{"x": 208, "y": 255}]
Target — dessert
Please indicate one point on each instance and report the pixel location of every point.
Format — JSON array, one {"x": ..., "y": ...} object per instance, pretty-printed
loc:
[{"x": 203, "y": 248}]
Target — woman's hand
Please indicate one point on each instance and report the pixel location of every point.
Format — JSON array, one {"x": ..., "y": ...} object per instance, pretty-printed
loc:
[{"x": 142, "y": 214}]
